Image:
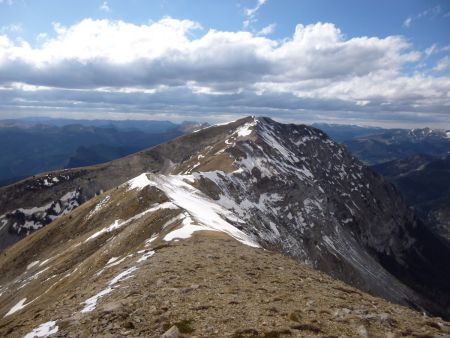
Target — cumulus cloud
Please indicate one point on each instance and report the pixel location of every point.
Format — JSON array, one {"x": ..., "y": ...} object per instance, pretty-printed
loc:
[{"x": 105, "y": 65}]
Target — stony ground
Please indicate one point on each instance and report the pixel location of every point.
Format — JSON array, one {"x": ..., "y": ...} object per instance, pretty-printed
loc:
[{"x": 212, "y": 286}]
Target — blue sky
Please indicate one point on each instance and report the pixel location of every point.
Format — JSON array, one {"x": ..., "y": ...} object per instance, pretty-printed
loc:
[{"x": 365, "y": 62}]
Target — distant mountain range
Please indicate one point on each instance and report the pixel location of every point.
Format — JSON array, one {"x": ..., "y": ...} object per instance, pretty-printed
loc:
[
  {"x": 344, "y": 132},
  {"x": 34, "y": 145},
  {"x": 378, "y": 145},
  {"x": 149, "y": 126}
]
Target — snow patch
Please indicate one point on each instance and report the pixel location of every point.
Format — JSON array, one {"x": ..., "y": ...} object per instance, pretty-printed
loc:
[
  {"x": 19, "y": 306},
  {"x": 246, "y": 129},
  {"x": 29, "y": 266},
  {"x": 43, "y": 330},
  {"x": 203, "y": 209},
  {"x": 99, "y": 206},
  {"x": 118, "y": 224},
  {"x": 146, "y": 256},
  {"x": 36, "y": 275},
  {"x": 91, "y": 303},
  {"x": 139, "y": 182},
  {"x": 186, "y": 230},
  {"x": 44, "y": 262},
  {"x": 112, "y": 260}
]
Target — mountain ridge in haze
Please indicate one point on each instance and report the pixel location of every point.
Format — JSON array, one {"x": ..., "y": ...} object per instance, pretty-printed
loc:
[
  {"x": 30, "y": 148},
  {"x": 373, "y": 145}
]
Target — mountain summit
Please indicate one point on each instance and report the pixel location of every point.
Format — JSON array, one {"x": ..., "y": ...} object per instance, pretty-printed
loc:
[{"x": 282, "y": 187}]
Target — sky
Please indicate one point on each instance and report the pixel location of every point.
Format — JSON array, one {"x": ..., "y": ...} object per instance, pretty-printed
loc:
[{"x": 384, "y": 63}]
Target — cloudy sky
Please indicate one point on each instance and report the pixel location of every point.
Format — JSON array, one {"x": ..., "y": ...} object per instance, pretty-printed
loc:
[{"x": 351, "y": 61}]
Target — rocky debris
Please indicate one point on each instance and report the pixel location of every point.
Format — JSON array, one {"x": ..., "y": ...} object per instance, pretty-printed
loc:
[{"x": 213, "y": 286}]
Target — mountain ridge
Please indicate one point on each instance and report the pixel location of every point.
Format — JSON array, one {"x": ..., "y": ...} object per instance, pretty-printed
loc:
[{"x": 290, "y": 189}]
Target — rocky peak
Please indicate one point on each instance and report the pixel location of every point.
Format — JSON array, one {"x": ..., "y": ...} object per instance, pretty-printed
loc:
[
  {"x": 286, "y": 188},
  {"x": 302, "y": 194}
]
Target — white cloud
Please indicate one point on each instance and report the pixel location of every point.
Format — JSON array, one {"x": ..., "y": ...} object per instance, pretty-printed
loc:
[
  {"x": 430, "y": 50},
  {"x": 442, "y": 64},
  {"x": 431, "y": 12},
  {"x": 41, "y": 37},
  {"x": 12, "y": 28},
  {"x": 267, "y": 30},
  {"x": 105, "y": 7},
  {"x": 6, "y": 2},
  {"x": 407, "y": 22},
  {"x": 163, "y": 67},
  {"x": 250, "y": 13}
]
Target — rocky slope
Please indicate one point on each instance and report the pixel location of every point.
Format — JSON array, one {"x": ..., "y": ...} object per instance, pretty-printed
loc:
[
  {"x": 286, "y": 188},
  {"x": 203, "y": 286},
  {"x": 36, "y": 201},
  {"x": 139, "y": 259},
  {"x": 424, "y": 181}
]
